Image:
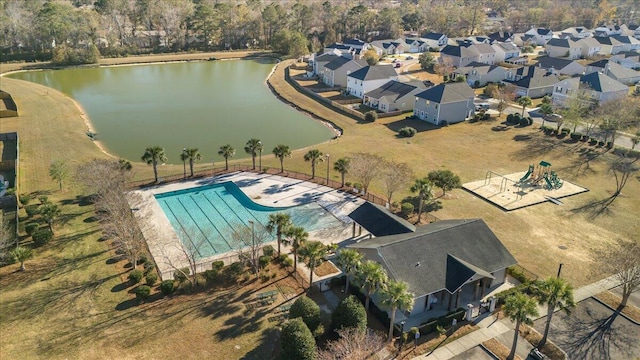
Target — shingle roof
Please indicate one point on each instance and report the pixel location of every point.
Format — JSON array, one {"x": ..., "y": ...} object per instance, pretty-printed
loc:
[
  {"x": 500, "y": 36},
  {"x": 601, "y": 83},
  {"x": 546, "y": 62},
  {"x": 507, "y": 47},
  {"x": 537, "y": 81},
  {"x": 326, "y": 57},
  {"x": 433, "y": 36},
  {"x": 448, "y": 93},
  {"x": 391, "y": 91},
  {"x": 376, "y": 72},
  {"x": 481, "y": 68},
  {"x": 354, "y": 42},
  {"x": 339, "y": 62},
  {"x": 441, "y": 255},
  {"x": 338, "y": 46},
  {"x": 460, "y": 51},
  {"x": 563, "y": 43},
  {"x": 379, "y": 221}
]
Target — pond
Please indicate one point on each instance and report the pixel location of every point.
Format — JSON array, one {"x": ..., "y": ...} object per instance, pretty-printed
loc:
[{"x": 193, "y": 104}]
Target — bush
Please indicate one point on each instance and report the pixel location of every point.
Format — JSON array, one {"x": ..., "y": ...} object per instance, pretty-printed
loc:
[
  {"x": 407, "y": 209},
  {"x": 263, "y": 261},
  {"x": 358, "y": 186},
  {"x": 518, "y": 274},
  {"x": 407, "y": 131},
  {"x": 181, "y": 275},
  {"x": 370, "y": 116},
  {"x": 32, "y": 210},
  {"x": 297, "y": 341},
  {"x": 143, "y": 292},
  {"x": 167, "y": 287},
  {"x": 529, "y": 120},
  {"x": 307, "y": 310},
  {"x": 350, "y": 313},
  {"x": 347, "y": 184},
  {"x": 268, "y": 251},
  {"x": 609, "y": 144},
  {"x": 142, "y": 259},
  {"x": 565, "y": 131},
  {"x": 524, "y": 122},
  {"x": 24, "y": 199},
  {"x": 41, "y": 237},
  {"x": 31, "y": 227},
  {"x": 135, "y": 276},
  {"x": 148, "y": 267},
  {"x": 151, "y": 279},
  {"x": 217, "y": 265}
]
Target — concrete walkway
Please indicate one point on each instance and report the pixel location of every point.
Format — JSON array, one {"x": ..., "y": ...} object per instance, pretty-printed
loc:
[{"x": 491, "y": 328}]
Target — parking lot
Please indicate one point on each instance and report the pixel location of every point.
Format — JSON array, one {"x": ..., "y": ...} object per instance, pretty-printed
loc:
[{"x": 593, "y": 331}]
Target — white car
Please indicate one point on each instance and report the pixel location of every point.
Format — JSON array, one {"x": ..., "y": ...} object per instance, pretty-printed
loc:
[
  {"x": 482, "y": 106},
  {"x": 553, "y": 117}
]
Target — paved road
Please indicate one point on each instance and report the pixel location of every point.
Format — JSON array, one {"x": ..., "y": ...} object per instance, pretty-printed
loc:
[{"x": 593, "y": 332}]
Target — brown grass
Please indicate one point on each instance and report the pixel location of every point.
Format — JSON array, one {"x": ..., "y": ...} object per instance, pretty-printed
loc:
[
  {"x": 498, "y": 349},
  {"x": 550, "y": 349},
  {"x": 430, "y": 342},
  {"x": 614, "y": 301},
  {"x": 325, "y": 268}
]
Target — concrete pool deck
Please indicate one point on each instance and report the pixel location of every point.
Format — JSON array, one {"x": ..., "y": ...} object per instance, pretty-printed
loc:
[{"x": 264, "y": 189}]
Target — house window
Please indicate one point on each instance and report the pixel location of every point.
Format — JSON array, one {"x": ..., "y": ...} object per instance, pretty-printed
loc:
[
  {"x": 436, "y": 105},
  {"x": 559, "y": 89},
  {"x": 428, "y": 102}
]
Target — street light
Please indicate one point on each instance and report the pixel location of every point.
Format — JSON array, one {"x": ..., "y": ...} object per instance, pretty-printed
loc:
[
  {"x": 327, "y": 155},
  {"x": 184, "y": 162},
  {"x": 260, "y": 149}
]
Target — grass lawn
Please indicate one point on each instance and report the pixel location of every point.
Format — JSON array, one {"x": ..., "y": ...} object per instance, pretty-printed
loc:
[{"x": 71, "y": 303}]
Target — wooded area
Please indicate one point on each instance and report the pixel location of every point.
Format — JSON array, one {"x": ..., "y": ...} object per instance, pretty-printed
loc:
[{"x": 78, "y": 31}]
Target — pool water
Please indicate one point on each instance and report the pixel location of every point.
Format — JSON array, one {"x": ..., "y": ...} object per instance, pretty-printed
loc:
[{"x": 206, "y": 217}]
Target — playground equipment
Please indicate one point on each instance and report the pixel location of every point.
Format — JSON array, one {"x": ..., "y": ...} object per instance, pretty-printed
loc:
[
  {"x": 504, "y": 183},
  {"x": 542, "y": 171},
  {"x": 529, "y": 172},
  {"x": 552, "y": 181}
]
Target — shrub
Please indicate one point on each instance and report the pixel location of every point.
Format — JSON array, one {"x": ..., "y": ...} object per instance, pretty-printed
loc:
[
  {"x": 236, "y": 268},
  {"x": 167, "y": 287},
  {"x": 32, "y": 210},
  {"x": 529, "y": 120},
  {"x": 609, "y": 144},
  {"x": 287, "y": 262},
  {"x": 31, "y": 227},
  {"x": 268, "y": 251},
  {"x": 217, "y": 265},
  {"x": 576, "y": 136},
  {"x": 41, "y": 237},
  {"x": 143, "y": 292},
  {"x": 407, "y": 131},
  {"x": 350, "y": 313},
  {"x": 135, "y": 276},
  {"x": 347, "y": 184},
  {"x": 407, "y": 209},
  {"x": 181, "y": 275},
  {"x": 25, "y": 199},
  {"x": 593, "y": 141},
  {"x": 308, "y": 310},
  {"x": 370, "y": 116},
  {"x": 566, "y": 131},
  {"x": 142, "y": 259},
  {"x": 524, "y": 122},
  {"x": 518, "y": 274},
  {"x": 358, "y": 186},
  {"x": 148, "y": 267},
  {"x": 151, "y": 279},
  {"x": 263, "y": 261},
  {"x": 297, "y": 341}
]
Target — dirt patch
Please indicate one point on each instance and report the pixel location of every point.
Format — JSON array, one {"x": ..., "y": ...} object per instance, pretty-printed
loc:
[
  {"x": 326, "y": 268},
  {"x": 498, "y": 349},
  {"x": 550, "y": 349},
  {"x": 432, "y": 341}
]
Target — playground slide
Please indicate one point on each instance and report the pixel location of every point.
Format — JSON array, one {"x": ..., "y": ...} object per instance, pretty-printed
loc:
[
  {"x": 526, "y": 176},
  {"x": 549, "y": 184}
]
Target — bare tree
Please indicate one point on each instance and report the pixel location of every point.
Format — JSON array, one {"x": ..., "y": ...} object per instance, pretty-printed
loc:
[
  {"x": 622, "y": 259},
  {"x": 444, "y": 67},
  {"x": 248, "y": 242},
  {"x": 353, "y": 344},
  {"x": 365, "y": 167},
  {"x": 396, "y": 176},
  {"x": 504, "y": 94}
]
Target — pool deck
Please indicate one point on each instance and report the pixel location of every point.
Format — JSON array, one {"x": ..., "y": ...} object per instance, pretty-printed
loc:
[{"x": 263, "y": 189}]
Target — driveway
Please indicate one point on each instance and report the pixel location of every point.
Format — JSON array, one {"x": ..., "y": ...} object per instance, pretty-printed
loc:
[{"x": 593, "y": 331}]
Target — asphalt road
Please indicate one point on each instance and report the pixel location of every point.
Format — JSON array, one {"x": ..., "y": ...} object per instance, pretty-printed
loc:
[{"x": 593, "y": 332}]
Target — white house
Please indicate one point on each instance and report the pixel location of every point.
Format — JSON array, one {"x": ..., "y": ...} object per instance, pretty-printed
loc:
[
  {"x": 616, "y": 71},
  {"x": 369, "y": 78},
  {"x": 560, "y": 66},
  {"x": 596, "y": 85},
  {"x": 478, "y": 74},
  {"x": 590, "y": 47},
  {"x": 609, "y": 45},
  {"x": 505, "y": 51},
  {"x": 320, "y": 61},
  {"x": 540, "y": 36},
  {"x": 416, "y": 45},
  {"x": 435, "y": 40},
  {"x": 336, "y": 71},
  {"x": 629, "y": 59},
  {"x": 563, "y": 48},
  {"x": 576, "y": 32}
]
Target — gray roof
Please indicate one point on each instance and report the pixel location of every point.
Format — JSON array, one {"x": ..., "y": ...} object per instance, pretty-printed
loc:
[
  {"x": 337, "y": 63},
  {"x": 441, "y": 255},
  {"x": 379, "y": 221},
  {"x": 338, "y": 46},
  {"x": 326, "y": 57},
  {"x": 480, "y": 68},
  {"x": 448, "y": 93},
  {"x": 392, "y": 91},
  {"x": 376, "y": 72},
  {"x": 433, "y": 36},
  {"x": 563, "y": 43},
  {"x": 601, "y": 83},
  {"x": 500, "y": 35},
  {"x": 537, "y": 81},
  {"x": 460, "y": 51},
  {"x": 507, "y": 47},
  {"x": 547, "y": 62}
]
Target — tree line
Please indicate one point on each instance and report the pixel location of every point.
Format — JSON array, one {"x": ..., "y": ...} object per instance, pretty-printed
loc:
[{"x": 78, "y": 31}]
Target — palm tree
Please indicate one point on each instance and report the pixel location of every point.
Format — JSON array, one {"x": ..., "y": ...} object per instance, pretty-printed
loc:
[
  {"x": 524, "y": 102},
  {"x": 350, "y": 261},
  {"x": 296, "y": 237},
  {"x": 396, "y": 296},
  {"x": 192, "y": 155},
  {"x": 226, "y": 151},
  {"x": 315, "y": 156},
  {"x": 519, "y": 308},
  {"x": 279, "y": 222},
  {"x": 22, "y": 254},
  {"x": 252, "y": 148},
  {"x": 50, "y": 212},
  {"x": 545, "y": 109},
  {"x": 152, "y": 156},
  {"x": 424, "y": 188},
  {"x": 372, "y": 277},
  {"x": 313, "y": 254},
  {"x": 125, "y": 165},
  {"x": 282, "y": 151},
  {"x": 342, "y": 166},
  {"x": 555, "y": 293}
]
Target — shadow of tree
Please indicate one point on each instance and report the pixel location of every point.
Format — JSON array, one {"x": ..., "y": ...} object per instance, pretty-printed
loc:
[
  {"x": 595, "y": 336},
  {"x": 267, "y": 345}
]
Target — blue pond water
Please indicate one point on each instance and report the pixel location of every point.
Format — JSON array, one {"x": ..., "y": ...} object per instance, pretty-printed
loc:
[{"x": 206, "y": 217}]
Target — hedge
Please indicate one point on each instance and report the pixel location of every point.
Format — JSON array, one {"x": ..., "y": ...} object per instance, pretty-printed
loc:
[
  {"x": 307, "y": 310},
  {"x": 42, "y": 237},
  {"x": 167, "y": 287},
  {"x": 407, "y": 209},
  {"x": 31, "y": 228},
  {"x": 135, "y": 276},
  {"x": 143, "y": 292},
  {"x": 297, "y": 341},
  {"x": 151, "y": 279}
]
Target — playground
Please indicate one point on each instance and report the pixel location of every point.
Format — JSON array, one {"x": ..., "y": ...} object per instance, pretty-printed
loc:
[{"x": 537, "y": 185}]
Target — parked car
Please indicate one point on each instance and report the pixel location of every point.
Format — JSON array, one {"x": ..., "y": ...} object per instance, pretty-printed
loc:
[
  {"x": 409, "y": 57},
  {"x": 553, "y": 118},
  {"x": 536, "y": 354},
  {"x": 398, "y": 64},
  {"x": 482, "y": 106}
]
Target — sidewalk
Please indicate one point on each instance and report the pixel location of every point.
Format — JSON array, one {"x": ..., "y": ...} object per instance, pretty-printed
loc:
[{"x": 491, "y": 328}]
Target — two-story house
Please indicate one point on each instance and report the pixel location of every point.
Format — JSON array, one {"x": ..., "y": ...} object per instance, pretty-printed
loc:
[
  {"x": 445, "y": 103},
  {"x": 369, "y": 78},
  {"x": 539, "y": 36},
  {"x": 435, "y": 40},
  {"x": 590, "y": 47},
  {"x": 336, "y": 71},
  {"x": 478, "y": 74},
  {"x": 596, "y": 86},
  {"x": 531, "y": 81},
  {"x": 560, "y": 66},
  {"x": 628, "y": 59},
  {"x": 563, "y": 48},
  {"x": 505, "y": 51},
  {"x": 394, "y": 96},
  {"x": 616, "y": 71},
  {"x": 576, "y": 32}
]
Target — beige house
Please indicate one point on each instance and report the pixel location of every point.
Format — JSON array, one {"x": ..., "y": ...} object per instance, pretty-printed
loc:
[{"x": 596, "y": 85}]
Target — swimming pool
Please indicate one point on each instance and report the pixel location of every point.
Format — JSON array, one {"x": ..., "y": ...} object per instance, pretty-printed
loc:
[{"x": 206, "y": 217}]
